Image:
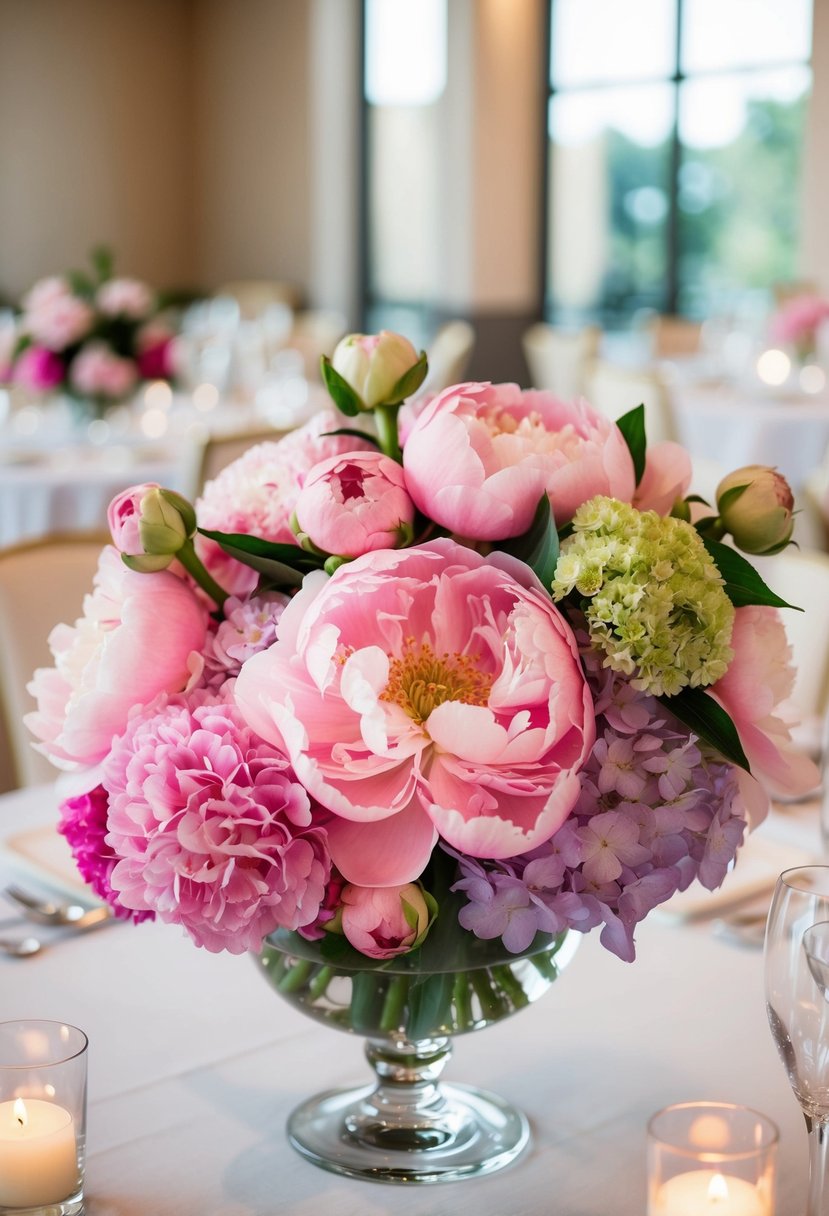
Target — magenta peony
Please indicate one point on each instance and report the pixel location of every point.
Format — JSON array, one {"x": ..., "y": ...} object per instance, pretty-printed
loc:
[
  {"x": 425, "y": 691},
  {"x": 479, "y": 457},
  {"x": 139, "y": 635},
  {"x": 83, "y": 821},
  {"x": 212, "y": 830},
  {"x": 354, "y": 503},
  {"x": 38, "y": 370}
]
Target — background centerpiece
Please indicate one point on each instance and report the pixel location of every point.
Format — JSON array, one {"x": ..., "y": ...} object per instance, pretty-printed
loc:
[{"x": 406, "y": 710}]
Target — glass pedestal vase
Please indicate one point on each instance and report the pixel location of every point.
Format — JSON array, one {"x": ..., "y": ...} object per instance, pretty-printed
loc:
[{"x": 408, "y": 1127}]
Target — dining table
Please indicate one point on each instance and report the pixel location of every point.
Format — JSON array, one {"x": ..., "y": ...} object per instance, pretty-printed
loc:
[{"x": 195, "y": 1063}]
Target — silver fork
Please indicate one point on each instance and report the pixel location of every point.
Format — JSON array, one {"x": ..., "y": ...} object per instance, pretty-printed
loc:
[{"x": 47, "y": 912}]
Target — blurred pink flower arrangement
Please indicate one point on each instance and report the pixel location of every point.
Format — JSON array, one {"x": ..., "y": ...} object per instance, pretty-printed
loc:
[
  {"x": 93, "y": 336},
  {"x": 494, "y": 679},
  {"x": 797, "y": 322}
]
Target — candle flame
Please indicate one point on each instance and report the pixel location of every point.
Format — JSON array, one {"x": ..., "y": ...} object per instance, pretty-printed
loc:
[
  {"x": 718, "y": 1188},
  {"x": 20, "y": 1115}
]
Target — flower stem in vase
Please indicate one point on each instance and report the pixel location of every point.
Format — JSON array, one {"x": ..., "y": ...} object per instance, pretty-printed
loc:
[
  {"x": 395, "y": 1002},
  {"x": 296, "y": 976},
  {"x": 461, "y": 997},
  {"x": 493, "y": 1005},
  {"x": 510, "y": 986},
  {"x": 320, "y": 982}
]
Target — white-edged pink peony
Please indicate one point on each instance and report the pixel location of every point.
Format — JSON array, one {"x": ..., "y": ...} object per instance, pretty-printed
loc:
[
  {"x": 257, "y": 493},
  {"x": 759, "y": 678},
  {"x": 139, "y": 635},
  {"x": 479, "y": 457},
  {"x": 425, "y": 692},
  {"x": 210, "y": 827},
  {"x": 354, "y": 503}
]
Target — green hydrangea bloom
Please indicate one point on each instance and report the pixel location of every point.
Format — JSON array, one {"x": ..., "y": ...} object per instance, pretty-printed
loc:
[{"x": 653, "y": 597}]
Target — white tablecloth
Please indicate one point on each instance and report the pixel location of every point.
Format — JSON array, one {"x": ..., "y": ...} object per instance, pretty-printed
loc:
[{"x": 195, "y": 1064}]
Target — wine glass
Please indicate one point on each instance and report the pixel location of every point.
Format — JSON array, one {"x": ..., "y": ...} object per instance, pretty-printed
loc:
[{"x": 797, "y": 980}]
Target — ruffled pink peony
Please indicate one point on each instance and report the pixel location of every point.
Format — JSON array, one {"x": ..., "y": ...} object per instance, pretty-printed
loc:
[
  {"x": 54, "y": 316},
  {"x": 354, "y": 503},
  {"x": 375, "y": 922},
  {"x": 38, "y": 370},
  {"x": 257, "y": 494},
  {"x": 128, "y": 298},
  {"x": 139, "y": 635},
  {"x": 212, "y": 830},
  {"x": 479, "y": 457},
  {"x": 98, "y": 372},
  {"x": 83, "y": 821},
  {"x": 759, "y": 678},
  {"x": 666, "y": 478},
  {"x": 425, "y": 691}
]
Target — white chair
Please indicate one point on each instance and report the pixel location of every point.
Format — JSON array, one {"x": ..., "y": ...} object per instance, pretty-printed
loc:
[
  {"x": 449, "y": 353},
  {"x": 560, "y": 361},
  {"x": 613, "y": 390},
  {"x": 42, "y": 583},
  {"x": 802, "y": 577}
]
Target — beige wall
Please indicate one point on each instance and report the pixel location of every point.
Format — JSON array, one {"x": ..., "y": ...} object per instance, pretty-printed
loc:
[
  {"x": 95, "y": 121},
  {"x": 814, "y": 254}
]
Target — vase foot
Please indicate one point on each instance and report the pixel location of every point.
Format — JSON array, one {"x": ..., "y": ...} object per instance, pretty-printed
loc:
[{"x": 466, "y": 1133}]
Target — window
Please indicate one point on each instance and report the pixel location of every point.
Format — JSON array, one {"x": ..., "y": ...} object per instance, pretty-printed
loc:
[{"x": 675, "y": 131}]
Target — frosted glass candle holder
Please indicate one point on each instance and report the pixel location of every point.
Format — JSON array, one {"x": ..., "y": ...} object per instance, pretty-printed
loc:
[
  {"x": 42, "y": 1118},
  {"x": 711, "y": 1158}
]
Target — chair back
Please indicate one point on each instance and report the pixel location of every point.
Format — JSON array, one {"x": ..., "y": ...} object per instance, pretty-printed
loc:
[
  {"x": 674, "y": 337},
  {"x": 613, "y": 390},
  {"x": 449, "y": 353},
  {"x": 42, "y": 583},
  {"x": 560, "y": 361}
]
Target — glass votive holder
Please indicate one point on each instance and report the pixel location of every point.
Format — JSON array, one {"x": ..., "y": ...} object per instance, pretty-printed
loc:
[
  {"x": 711, "y": 1157},
  {"x": 42, "y": 1118}
]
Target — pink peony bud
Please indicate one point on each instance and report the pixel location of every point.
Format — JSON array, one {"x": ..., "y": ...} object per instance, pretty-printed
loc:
[
  {"x": 382, "y": 922},
  {"x": 38, "y": 370},
  {"x": 373, "y": 364},
  {"x": 149, "y": 525},
  {"x": 755, "y": 505},
  {"x": 354, "y": 503}
]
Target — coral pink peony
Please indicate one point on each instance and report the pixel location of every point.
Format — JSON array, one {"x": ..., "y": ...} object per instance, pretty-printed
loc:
[
  {"x": 354, "y": 503},
  {"x": 83, "y": 821},
  {"x": 257, "y": 494},
  {"x": 666, "y": 478},
  {"x": 420, "y": 692},
  {"x": 139, "y": 635},
  {"x": 759, "y": 678},
  {"x": 479, "y": 457},
  {"x": 212, "y": 830},
  {"x": 375, "y": 922},
  {"x": 38, "y": 370}
]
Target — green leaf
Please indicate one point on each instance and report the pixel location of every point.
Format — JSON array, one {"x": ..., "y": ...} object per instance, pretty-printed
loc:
[
  {"x": 429, "y": 1005},
  {"x": 353, "y": 431},
  {"x": 709, "y": 721},
  {"x": 730, "y": 496},
  {"x": 538, "y": 547},
  {"x": 285, "y": 564},
  {"x": 81, "y": 283},
  {"x": 339, "y": 390},
  {"x": 632, "y": 426},
  {"x": 697, "y": 498},
  {"x": 102, "y": 262},
  {"x": 409, "y": 382},
  {"x": 743, "y": 585}
]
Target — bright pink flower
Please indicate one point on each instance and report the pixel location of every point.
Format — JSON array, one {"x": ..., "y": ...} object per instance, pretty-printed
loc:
[
  {"x": 257, "y": 494},
  {"x": 667, "y": 477},
  {"x": 212, "y": 829},
  {"x": 83, "y": 821},
  {"x": 128, "y": 298},
  {"x": 425, "y": 691},
  {"x": 38, "y": 370},
  {"x": 354, "y": 503},
  {"x": 98, "y": 372},
  {"x": 54, "y": 316},
  {"x": 374, "y": 919},
  {"x": 155, "y": 352},
  {"x": 799, "y": 319},
  {"x": 479, "y": 457},
  {"x": 759, "y": 678},
  {"x": 124, "y": 516},
  {"x": 140, "y": 634}
]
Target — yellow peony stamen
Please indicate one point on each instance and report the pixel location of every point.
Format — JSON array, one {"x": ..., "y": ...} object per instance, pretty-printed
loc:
[{"x": 420, "y": 680}]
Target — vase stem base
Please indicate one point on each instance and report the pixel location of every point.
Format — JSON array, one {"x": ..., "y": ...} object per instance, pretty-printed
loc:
[{"x": 464, "y": 1132}]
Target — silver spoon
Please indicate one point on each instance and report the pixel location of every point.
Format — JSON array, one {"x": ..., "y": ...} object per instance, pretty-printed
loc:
[
  {"x": 47, "y": 912},
  {"x": 22, "y": 947}
]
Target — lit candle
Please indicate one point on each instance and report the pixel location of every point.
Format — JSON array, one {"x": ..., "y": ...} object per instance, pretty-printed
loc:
[
  {"x": 38, "y": 1153},
  {"x": 709, "y": 1193}
]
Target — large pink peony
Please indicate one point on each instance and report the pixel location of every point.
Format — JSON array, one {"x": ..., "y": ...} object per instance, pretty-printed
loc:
[
  {"x": 257, "y": 493},
  {"x": 211, "y": 828},
  {"x": 425, "y": 692},
  {"x": 479, "y": 457},
  {"x": 139, "y": 635},
  {"x": 759, "y": 678}
]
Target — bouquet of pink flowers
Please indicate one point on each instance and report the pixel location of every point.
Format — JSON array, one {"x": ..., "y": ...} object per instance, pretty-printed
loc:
[
  {"x": 494, "y": 680},
  {"x": 92, "y": 336},
  {"x": 797, "y": 323}
]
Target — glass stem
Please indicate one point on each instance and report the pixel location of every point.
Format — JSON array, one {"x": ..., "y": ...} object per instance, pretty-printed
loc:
[{"x": 818, "y": 1168}]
